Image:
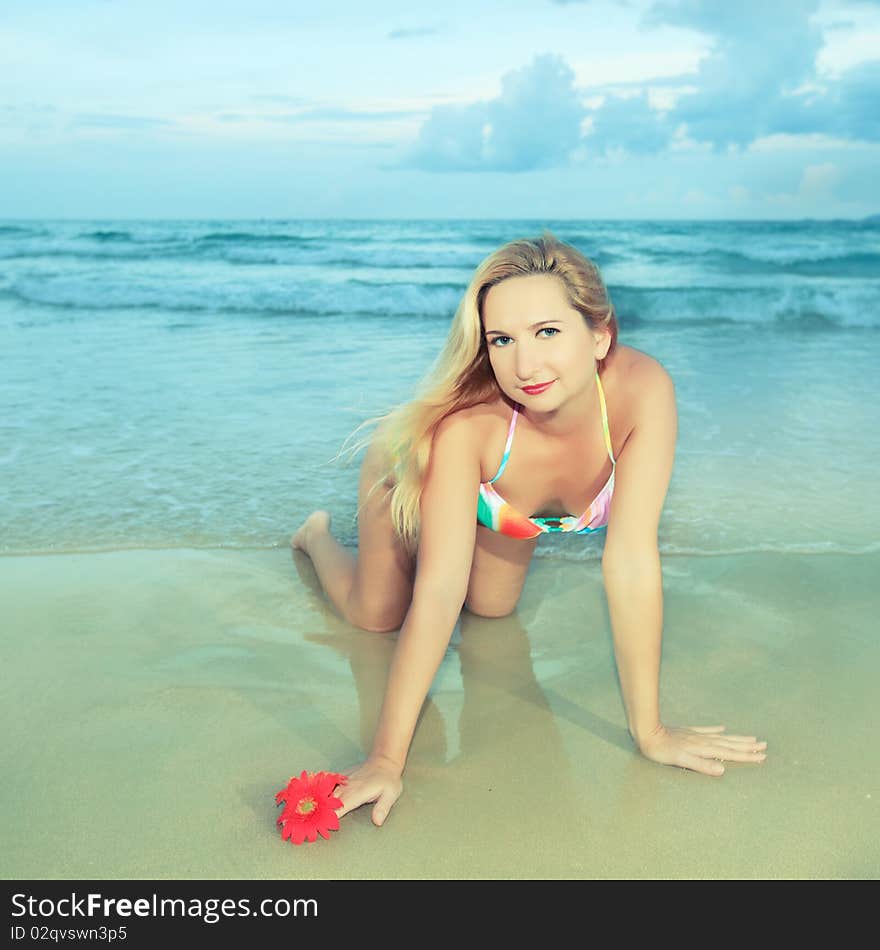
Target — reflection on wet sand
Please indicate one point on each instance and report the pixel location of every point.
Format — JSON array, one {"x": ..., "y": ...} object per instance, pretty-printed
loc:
[{"x": 510, "y": 771}]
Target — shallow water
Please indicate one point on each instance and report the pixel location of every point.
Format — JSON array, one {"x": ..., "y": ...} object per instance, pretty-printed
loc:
[{"x": 186, "y": 384}]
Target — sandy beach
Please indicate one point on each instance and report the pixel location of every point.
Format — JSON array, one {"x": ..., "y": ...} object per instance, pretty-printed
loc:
[{"x": 155, "y": 700}]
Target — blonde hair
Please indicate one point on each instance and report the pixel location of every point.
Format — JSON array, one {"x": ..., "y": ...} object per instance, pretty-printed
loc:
[{"x": 462, "y": 375}]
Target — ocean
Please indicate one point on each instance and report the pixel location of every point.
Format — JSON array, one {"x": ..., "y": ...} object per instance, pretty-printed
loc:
[{"x": 186, "y": 384}]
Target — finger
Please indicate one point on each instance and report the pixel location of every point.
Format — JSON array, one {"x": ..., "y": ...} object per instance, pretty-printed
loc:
[
  {"x": 726, "y": 754},
  {"x": 352, "y": 801},
  {"x": 741, "y": 744},
  {"x": 337, "y": 789},
  {"x": 707, "y": 728},
  {"x": 706, "y": 766},
  {"x": 382, "y": 807}
]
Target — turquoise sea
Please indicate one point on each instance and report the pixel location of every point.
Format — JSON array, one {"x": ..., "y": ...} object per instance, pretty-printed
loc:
[{"x": 185, "y": 384}]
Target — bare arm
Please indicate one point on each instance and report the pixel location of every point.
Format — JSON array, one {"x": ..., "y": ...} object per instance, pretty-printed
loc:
[
  {"x": 635, "y": 605},
  {"x": 631, "y": 559},
  {"x": 634, "y": 587},
  {"x": 446, "y": 551}
]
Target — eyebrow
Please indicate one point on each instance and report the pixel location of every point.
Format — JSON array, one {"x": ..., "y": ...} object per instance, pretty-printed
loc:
[{"x": 540, "y": 323}]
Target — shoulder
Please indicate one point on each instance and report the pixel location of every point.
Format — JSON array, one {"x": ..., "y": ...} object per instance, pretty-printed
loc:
[
  {"x": 640, "y": 372},
  {"x": 636, "y": 385},
  {"x": 475, "y": 423},
  {"x": 645, "y": 383},
  {"x": 459, "y": 425},
  {"x": 459, "y": 435},
  {"x": 644, "y": 464},
  {"x": 656, "y": 390},
  {"x": 475, "y": 433}
]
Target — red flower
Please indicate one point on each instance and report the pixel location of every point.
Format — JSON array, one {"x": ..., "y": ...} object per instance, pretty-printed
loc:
[{"x": 309, "y": 809}]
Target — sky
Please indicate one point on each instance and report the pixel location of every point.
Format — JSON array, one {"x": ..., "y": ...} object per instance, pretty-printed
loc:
[{"x": 646, "y": 109}]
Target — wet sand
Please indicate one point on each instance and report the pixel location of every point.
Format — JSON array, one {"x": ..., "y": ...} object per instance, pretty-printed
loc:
[{"x": 154, "y": 701}]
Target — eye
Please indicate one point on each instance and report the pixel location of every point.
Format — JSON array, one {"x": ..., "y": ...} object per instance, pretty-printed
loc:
[{"x": 496, "y": 341}]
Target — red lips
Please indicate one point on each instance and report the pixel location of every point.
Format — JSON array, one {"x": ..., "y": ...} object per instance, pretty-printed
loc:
[{"x": 534, "y": 390}]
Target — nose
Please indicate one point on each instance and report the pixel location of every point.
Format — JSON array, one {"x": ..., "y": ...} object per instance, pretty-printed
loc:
[{"x": 525, "y": 362}]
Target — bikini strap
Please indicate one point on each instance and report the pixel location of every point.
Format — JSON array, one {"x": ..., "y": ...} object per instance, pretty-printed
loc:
[
  {"x": 605, "y": 419},
  {"x": 507, "y": 446}
]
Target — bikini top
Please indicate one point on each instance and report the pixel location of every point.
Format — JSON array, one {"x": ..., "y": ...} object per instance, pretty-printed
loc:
[{"x": 495, "y": 513}]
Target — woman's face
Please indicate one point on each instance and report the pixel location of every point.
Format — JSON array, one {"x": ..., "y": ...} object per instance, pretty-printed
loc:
[{"x": 535, "y": 336}]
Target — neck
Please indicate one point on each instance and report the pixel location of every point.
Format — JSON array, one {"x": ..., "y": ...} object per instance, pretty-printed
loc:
[{"x": 567, "y": 421}]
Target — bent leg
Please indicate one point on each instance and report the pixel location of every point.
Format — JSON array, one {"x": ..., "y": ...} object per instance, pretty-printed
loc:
[
  {"x": 498, "y": 572},
  {"x": 373, "y": 590},
  {"x": 382, "y": 587}
]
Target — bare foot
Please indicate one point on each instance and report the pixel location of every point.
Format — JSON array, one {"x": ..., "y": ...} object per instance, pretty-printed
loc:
[{"x": 316, "y": 521}]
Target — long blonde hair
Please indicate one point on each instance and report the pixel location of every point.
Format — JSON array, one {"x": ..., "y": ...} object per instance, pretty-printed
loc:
[{"x": 462, "y": 375}]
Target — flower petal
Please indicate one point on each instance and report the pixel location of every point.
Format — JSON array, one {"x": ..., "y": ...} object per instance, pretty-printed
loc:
[{"x": 298, "y": 834}]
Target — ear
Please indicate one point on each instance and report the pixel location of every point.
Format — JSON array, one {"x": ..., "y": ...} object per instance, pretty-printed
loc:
[{"x": 603, "y": 344}]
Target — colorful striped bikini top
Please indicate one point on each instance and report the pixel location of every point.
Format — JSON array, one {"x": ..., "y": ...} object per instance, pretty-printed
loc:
[{"x": 495, "y": 513}]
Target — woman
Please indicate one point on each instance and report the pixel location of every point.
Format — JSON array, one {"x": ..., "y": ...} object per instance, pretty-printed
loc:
[{"x": 532, "y": 354}]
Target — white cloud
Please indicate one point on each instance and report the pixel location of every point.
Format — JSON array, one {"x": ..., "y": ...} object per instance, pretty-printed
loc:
[
  {"x": 534, "y": 123},
  {"x": 818, "y": 181}
]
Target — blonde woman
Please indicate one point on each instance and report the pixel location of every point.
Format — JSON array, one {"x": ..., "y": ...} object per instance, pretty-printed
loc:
[{"x": 533, "y": 420}]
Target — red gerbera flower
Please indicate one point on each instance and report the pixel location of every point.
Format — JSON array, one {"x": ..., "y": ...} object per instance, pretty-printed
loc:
[{"x": 309, "y": 806}]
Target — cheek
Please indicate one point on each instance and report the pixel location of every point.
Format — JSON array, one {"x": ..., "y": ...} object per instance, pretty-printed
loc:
[
  {"x": 577, "y": 360},
  {"x": 496, "y": 361},
  {"x": 502, "y": 369}
]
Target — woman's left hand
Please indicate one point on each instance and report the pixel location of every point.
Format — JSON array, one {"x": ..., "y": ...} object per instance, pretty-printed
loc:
[{"x": 700, "y": 747}]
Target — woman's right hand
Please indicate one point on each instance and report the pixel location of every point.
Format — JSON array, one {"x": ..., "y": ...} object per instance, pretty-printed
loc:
[{"x": 376, "y": 780}]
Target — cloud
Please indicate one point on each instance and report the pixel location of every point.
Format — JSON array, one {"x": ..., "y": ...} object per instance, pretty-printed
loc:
[
  {"x": 855, "y": 106},
  {"x": 534, "y": 123},
  {"x": 631, "y": 124},
  {"x": 846, "y": 108},
  {"x": 759, "y": 79},
  {"x": 762, "y": 53},
  {"x": 761, "y": 76},
  {"x": 405, "y": 34},
  {"x": 815, "y": 189},
  {"x": 322, "y": 113},
  {"x": 285, "y": 100},
  {"x": 102, "y": 120},
  {"x": 818, "y": 181}
]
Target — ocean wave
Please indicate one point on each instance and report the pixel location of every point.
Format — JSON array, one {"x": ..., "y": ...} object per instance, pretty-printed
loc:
[
  {"x": 800, "y": 307},
  {"x": 551, "y": 551},
  {"x": 127, "y": 250},
  {"x": 353, "y": 297},
  {"x": 253, "y": 254},
  {"x": 785, "y": 549},
  {"x": 825, "y": 308},
  {"x": 249, "y": 237},
  {"x": 701, "y": 253},
  {"x": 15, "y": 229},
  {"x": 107, "y": 235},
  {"x": 788, "y": 276},
  {"x": 858, "y": 264}
]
